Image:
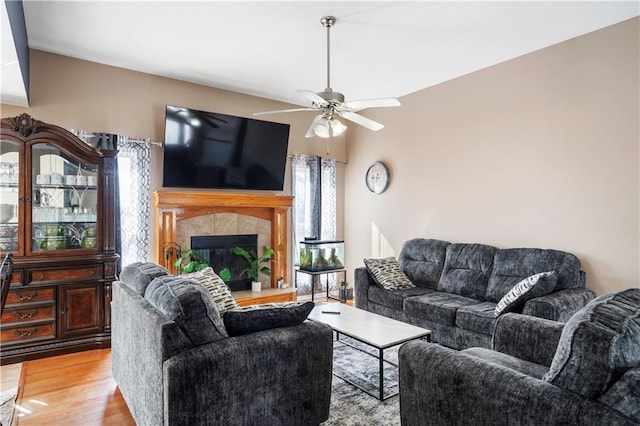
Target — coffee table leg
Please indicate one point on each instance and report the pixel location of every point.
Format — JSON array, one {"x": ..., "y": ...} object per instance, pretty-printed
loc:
[{"x": 381, "y": 357}]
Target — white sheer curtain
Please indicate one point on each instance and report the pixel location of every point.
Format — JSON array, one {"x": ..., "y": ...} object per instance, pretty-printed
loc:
[
  {"x": 328, "y": 208},
  {"x": 134, "y": 177},
  {"x": 314, "y": 206}
]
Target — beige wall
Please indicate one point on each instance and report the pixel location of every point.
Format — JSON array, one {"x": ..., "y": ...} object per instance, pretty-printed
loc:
[
  {"x": 540, "y": 151},
  {"x": 93, "y": 97}
]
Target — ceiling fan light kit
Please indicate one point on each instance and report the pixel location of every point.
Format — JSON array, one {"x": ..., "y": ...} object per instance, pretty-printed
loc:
[{"x": 332, "y": 104}]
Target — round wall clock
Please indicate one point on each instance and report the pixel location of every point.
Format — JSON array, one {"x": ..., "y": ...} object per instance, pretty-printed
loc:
[{"x": 377, "y": 178}]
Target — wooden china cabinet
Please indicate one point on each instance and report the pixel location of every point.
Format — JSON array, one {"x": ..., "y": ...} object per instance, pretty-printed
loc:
[{"x": 57, "y": 218}]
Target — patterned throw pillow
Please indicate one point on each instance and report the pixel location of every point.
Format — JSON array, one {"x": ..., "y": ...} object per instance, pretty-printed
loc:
[
  {"x": 534, "y": 286},
  {"x": 388, "y": 273},
  {"x": 220, "y": 292},
  {"x": 251, "y": 319}
]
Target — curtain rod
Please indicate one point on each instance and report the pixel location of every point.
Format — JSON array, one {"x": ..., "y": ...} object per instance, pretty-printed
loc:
[
  {"x": 307, "y": 155},
  {"x": 82, "y": 134},
  {"x": 140, "y": 141}
]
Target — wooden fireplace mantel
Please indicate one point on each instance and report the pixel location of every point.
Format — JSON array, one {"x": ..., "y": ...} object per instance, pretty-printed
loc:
[{"x": 171, "y": 206}]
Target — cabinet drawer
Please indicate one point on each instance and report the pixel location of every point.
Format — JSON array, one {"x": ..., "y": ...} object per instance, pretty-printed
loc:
[
  {"x": 30, "y": 313},
  {"x": 26, "y": 333},
  {"x": 56, "y": 274},
  {"x": 28, "y": 295}
]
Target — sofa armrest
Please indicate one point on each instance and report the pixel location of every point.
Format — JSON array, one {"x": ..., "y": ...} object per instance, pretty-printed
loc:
[
  {"x": 362, "y": 281},
  {"x": 441, "y": 386},
  {"x": 279, "y": 376},
  {"x": 526, "y": 337},
  {"x": 141, "y": 340},
  {"x": 559, "y": 305}
]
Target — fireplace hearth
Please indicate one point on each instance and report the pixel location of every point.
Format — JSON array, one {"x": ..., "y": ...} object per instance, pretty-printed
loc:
[{"x": 217, "y": 251}]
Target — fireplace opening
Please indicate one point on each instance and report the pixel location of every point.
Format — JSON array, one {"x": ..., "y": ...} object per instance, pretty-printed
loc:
[{"x": 217, "y": 251}]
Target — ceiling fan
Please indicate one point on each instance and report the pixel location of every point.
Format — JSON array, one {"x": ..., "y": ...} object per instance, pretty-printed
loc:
[{"x": 332, "y": 104}]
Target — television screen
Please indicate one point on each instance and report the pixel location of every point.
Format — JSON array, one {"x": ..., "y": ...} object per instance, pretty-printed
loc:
[{"x": 211, "y": 150}]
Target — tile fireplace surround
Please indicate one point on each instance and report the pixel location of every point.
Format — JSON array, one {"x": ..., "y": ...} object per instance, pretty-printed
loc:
[{"x": 182, "y": 214}]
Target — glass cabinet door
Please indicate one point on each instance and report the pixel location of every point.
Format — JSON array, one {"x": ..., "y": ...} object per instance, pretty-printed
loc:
[
  {"x": 9, "y": 193},
  {"x": 64, "y": 200}
]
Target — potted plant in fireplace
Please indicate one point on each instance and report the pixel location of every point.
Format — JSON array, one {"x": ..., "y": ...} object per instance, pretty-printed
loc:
[
  {"x": 256, "y": 264},
  {"x": 193, "y": 262},
  {"x": 189, "y": 261}
]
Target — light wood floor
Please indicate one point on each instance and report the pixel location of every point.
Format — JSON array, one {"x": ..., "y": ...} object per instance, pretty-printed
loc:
[{"x": 73, "y": 389}]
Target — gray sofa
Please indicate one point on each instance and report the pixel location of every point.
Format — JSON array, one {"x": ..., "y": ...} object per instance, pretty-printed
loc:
[
  {"x": 175, "y": 364},
  {"x": 457, "y": 287},
  {"x": 540, "y": 372}
]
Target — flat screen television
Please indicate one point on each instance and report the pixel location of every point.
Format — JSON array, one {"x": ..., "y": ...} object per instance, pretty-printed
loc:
[{"x": 212, "y": 150}]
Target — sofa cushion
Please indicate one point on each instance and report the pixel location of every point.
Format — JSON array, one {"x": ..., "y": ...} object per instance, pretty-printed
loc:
[
  {"x": 422, "y": 260},
  {"x": 479, "y": 317},
  {"x": 388, "y": 273},
  {"x": 466, "y": 270},
  {"x": 189, "y": 305},
  {"x": 137, "y": 276},
  {"x": 437, "y": 306},
  {"x": 529, "y": 288},
  {"x": 250, "y": 319},
  {"x": 598, "y": 344},
  {"x": 511, "y": 266},
  {"x": 220, "y": 292},
  {"x": 394, "y": 299}
]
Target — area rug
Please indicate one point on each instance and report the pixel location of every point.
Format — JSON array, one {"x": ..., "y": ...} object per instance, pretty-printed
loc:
[
  {"x": 351, "y": 406},
  {"x": 7, "y": 402}
]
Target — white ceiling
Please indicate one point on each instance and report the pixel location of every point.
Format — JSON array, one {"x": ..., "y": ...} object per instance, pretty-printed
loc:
[{"x": 270, "y": 49}]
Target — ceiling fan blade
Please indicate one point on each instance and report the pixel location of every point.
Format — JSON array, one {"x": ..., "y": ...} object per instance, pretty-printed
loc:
[
  {"x": 313, "y": 97},
  {"x": 310, "y": 132},
  {"x": 284, "y": 110},
  {"x": 361, "y": 120},
  {"x": 355, "y": 106}
]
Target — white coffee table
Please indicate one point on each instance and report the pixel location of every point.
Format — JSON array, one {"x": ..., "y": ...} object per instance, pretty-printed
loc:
[{"x": 368, "y": 328}]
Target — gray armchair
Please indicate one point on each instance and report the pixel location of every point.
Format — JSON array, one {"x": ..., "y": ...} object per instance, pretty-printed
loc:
[
  {"x": 175, "y": 363},
  {"x": 585, "y": 372}
]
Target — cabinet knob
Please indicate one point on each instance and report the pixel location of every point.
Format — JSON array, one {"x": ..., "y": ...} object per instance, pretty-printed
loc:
[
  {"x": 40, "y": 276},
  {"x": 91, "y": 272},
  {"x": 63, "y": 311}
]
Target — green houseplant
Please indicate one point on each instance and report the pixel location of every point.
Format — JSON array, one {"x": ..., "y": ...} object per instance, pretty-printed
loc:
[
  {"x": 256, "y": 264},
  {"x": 193, "y": 262}
]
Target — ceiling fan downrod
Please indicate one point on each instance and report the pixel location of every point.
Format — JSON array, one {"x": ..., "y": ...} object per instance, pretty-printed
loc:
[{"x": 328, "y": 22}]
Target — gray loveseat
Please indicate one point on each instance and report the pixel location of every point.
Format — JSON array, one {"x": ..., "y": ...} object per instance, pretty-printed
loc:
[
  {"x": 457, "y": 287},
  {"x": 175, "y": 364},
  {"x": 541, "y": 372}
]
